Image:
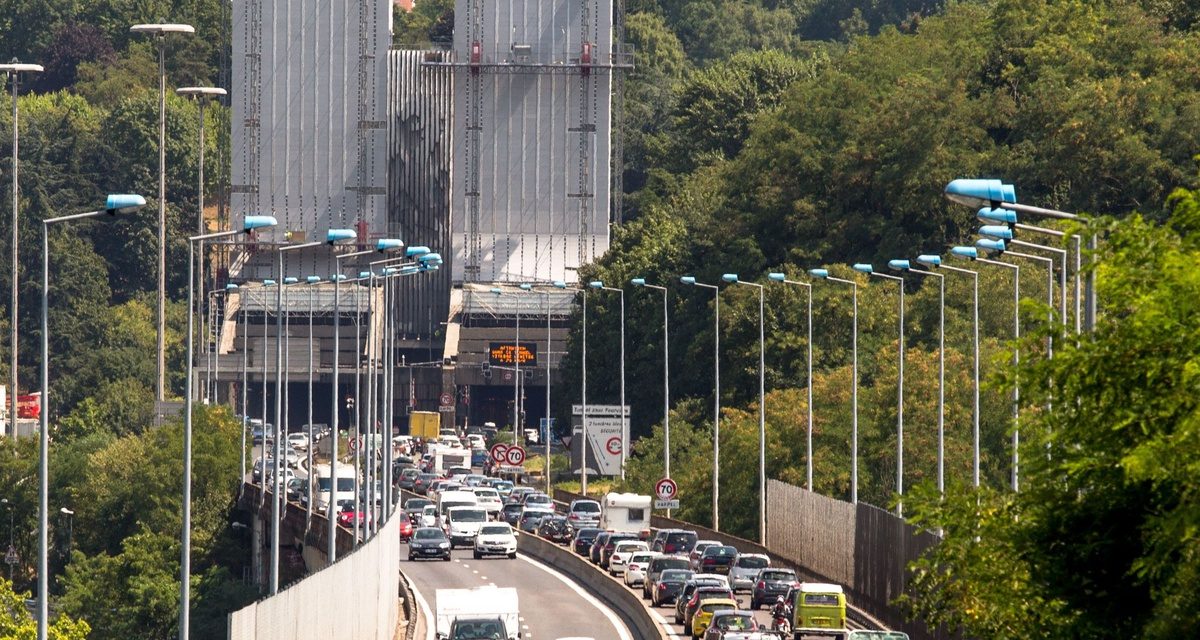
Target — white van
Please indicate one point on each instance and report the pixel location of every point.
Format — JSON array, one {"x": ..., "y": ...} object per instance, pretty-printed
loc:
[
  {"x": 448, "y": 499},
  {"x": 345, "y": 485},
  {"x": 463, "y": 523}
]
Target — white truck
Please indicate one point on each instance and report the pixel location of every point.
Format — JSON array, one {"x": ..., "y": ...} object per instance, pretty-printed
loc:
[
  {"x": 625, "y": 512},
  {"x": 482, "y": 613},
  {"x": 444, "y": 458}
]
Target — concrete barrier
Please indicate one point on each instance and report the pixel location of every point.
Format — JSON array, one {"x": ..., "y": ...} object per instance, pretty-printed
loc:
[{"x": 622, "y": 601}]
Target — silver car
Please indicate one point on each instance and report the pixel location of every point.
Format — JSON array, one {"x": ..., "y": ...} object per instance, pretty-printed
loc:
[{"x": 744, "y": 570}]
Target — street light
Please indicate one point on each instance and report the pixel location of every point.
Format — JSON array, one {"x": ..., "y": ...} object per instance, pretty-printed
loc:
[
  {"x": 312, "y": 282},
  {"x": 160, "y": 31},
  {"x": 823, "y": 274},
  {"x": 935, "y": 262},
  {"x": 781, "y": 277},
  {"x": 516, "y": 366},
  {"x": 14, "y": 70},
  {"x": 70, "y": 528},
  {"x": 641, "y": 282},
  {"x": 870, "y": 271},
  {"x": 972, "y": 253},
  {"x": 185, "y": 566},
  {"x": 906, "y": 266},
  {"x": 546, "y": 294},
  {"x": 716, "y": 475},
  {"x": 732, "y": 278},
  {"x": 123, "y": 203},
  {"x": 624, "y": 417},
  {"x": 332, "y": 237}
]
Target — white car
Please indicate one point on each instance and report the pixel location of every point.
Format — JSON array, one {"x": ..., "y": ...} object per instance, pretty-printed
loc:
[
  {"x": 495, "y": 539},
  {"x": 635, "y": 568},
  {"x": 429, "y": 515},
  {"x": 621, "y": 553},
  {"x": 744, "y": 570},
  {"x": 489, "y": 499},
  {"x": 476, "y": 441},
  {"x": 298, "y": 440}
]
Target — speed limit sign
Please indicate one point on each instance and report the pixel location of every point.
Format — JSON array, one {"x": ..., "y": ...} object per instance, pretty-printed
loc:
[
  {"x": 515, "y": 456},
  {"x": 666, "y": 489},
  {"x": 499, "y": 453}
]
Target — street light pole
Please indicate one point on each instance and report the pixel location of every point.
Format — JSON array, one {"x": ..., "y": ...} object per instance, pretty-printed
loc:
[
  {"x": 716, "y": 474},
  {"x": 624, "y": 416},
  {"x": 823, "y": 274},
  {"x": 114, "y": 204},
  {"x": 906, "y": 266},
  {"x": 732, "y": 278},
  {"x": 641, "y": 282},
  {"x": 312, "y": 282},
  {"x": 160, "y": 32},
  {"x": 780, "y": 277},
  {"x": 935, "y": 262},
  {"x": 870, "y": 271},
  {"x": 14, "y": 69}
]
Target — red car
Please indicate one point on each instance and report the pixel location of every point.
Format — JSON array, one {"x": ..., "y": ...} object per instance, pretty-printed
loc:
[
  {"x": 347, "y": 516},
  {"x": 406, "y": 527}
]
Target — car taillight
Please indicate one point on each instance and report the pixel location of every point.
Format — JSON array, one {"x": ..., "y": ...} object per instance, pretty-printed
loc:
[
  {"x": 762, "y": 585},
  {"x": 661, "y": 586}
]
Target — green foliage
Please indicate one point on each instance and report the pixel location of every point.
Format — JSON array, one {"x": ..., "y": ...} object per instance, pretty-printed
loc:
[
  {"x": 16, "y": 623},
  {"x": 430, "y": 22}
]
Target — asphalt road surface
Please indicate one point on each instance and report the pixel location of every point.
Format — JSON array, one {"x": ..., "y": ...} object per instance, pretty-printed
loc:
[{"x": 550, "y": 607}]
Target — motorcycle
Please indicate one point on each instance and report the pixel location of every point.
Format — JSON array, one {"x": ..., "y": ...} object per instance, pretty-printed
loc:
[{"x": 780, "y": 621}]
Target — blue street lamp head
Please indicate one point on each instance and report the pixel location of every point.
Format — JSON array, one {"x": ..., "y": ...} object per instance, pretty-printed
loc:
[
  {"x": 980, "y": 193},
  {"x": 313, "y": 279},
  {"x": 334, "y": 236},
  {"x": 428, "y": 267},
  {"x": 388, "y": 271},
  {"x": 559, "y": 284},
  {"x": 385, "y": 245},
  {"x": 250, "y": 223},
  {"x": 731, "y": 278},
  {"x": 899, "y": 265},
  {"x": 997, "y": 231},
  {"x": 863, "y": 267},
  {"x": 638, "y": 282},
  {"x": 430, "y": 258},
  {"x": 363, "y": 275},
  {"x": 525, "y": 286},
  {"x": 496, "y": 290},
  {"x": 688, "y": 279},
  {"x": 930, "y": 260},
  {"x": 290, "y": 280},
  {"x": 231, "y": 287},
  {"x": 337, "y": 277},
  {"x": 988, "y": 215},
  {"x": 123, "y": 203},
  {"x": 409, "y": 270},
  {"x": 989, "y": 244},
  {"x": 819, "y": 273},
  {"x": 969, "y": 253},
  {"x": 776, "y": 277},
  {"x": 418, "y": 250},
  {"x": 596, "y": 284},
  {"x": 268, "y": 283}
]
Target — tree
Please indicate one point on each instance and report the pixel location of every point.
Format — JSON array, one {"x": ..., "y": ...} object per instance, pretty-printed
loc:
[{"x": 16, "y": 623}]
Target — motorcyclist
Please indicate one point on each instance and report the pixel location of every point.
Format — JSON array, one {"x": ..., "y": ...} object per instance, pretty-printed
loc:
[{"x": 780, "y": 610}]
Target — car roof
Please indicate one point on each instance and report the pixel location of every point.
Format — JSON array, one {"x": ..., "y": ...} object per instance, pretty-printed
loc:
[{"x": 820, "y": 587}]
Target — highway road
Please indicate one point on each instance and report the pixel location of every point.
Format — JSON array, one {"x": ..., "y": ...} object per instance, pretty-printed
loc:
[{"x": 551, "y": 605}]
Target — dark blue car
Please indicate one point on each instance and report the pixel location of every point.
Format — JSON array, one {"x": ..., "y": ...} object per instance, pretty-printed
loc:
[{"x": 478, "y": 457}]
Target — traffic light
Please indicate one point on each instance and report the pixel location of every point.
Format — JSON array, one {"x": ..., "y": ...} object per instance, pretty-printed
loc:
[
  {"x": 349, "y": 403},
  {"x": 486, "y": 368}
]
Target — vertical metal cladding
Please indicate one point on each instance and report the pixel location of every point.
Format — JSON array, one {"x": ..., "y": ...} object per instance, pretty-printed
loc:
[
  {"x": 420, "y": 139},
  {"x": 530, "y": 194},
  {"x": 309, "y": 117}
]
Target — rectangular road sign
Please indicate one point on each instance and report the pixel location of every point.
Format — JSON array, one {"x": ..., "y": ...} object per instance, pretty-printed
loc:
[
  {"x": 446, "y": 409},
  {"x": 510, "y": 469},
  {"x": 666, "y": 504}
]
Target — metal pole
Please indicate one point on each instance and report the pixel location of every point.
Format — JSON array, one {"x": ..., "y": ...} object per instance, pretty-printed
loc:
[
  {"x": 185, "y": 564},
  {"x": 245, "y": 383},
  {"x": 359, "y": 458},
  {"x": 14, "y": 320},
  {"x": 262, "y": 451},
  {"x": 160, "y": 384},
  {"x": 311, "y": 443},
  {"x": 975, "y": 370},
  {"x": 583, "y": 446},
  {"x": 716, "y": 409},
  {"x": 624, "y": 412},
  {"x": 200, "y": 231},
  {"x": 1016, "y": 361},
  {"x": 941, "y": 451},
  {"x": 1077, "y": 241},
  {"x": 517, "y": 375},
  {"x": 371, "y": 397},
  {"x": 549, "y": 424},
  {"x": 809, "y": 381},
  {"x": 330, "y": 516},
  {"x": 666, "y": 389},
  {"x": 275, "y": 473},
  {"x": 44, "y": 448},
  {"x": 762, "y": 423},
  {"x": 853, "y": 395},
  {"x": 1090, "y": 285}
]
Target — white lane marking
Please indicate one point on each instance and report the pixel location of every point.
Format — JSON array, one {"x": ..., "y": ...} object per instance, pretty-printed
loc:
[
  {"x": 483, "y": 577},
  {"x": 425, "y": 611},
  {"x": 608, "y": 613}
]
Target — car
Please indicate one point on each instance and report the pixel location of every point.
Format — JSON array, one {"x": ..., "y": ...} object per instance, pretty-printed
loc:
[
  {"x": 732, "y": 624},
  {"x": 406, "y": 527},
  {"x": 634, "y": 572},
  {"x": 687, "y": 595},
  {"x": 421, "y": 484},
  {"x": 474, "y": 480},
  {"x": 511, "y": 513},
  {"x": 298, "y": 440},
  {"x": 697, "y": 550},
  {"x": 458, "y": 474},
  {"x": 621, "y": 552},
  {"x": 537, "y": 499},
  {"x": 583, "y": 513},
  {"x": 463, "y": 523},
  {"x": 597, "y": 545},
  {"x": 297, "y": 490},
  {"x": 347, "y": 516},
  {"x": 717, "y": 559},
  {"x": 429, "y": 515},
  {"x": 655, "y": 569},
  {"x": 611, "y": 544},
  {"x": 772, "y": 583},
  {"x": 487, "y": 498},
  {"x": 703, "y": 614},
  {"x": 673, "y": 541},
  {"x": 414, "y": 506},
  {"x": 495, "y": 538},
  {"x": 581, "y": 542},
  {"x": 531, "y": 516},
  {"x": 429, "y": 542},
  {"x": 744, "y": 570},
  {"x": 555, "y": 529},
  {"x": 818, "y": 605},
  {"x": 670, "y": 583},
  {"x": 517, "y": 493},
  {"x": 407, "y": 478},
  {"x": 503, "y": 487}
]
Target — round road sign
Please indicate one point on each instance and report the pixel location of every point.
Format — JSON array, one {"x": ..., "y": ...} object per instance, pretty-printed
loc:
[
  {"x": 613, "y": 445},
  {"x": 515, "y": 456},
  {"x": 499, "y": 452},
  {"x": 446, "y": 400},
  {"x": 353, "y": 443},
  {"x": 666, "y": 489}
]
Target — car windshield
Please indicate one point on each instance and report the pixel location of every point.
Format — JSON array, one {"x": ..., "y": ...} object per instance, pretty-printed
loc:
[
  {"x": 494, "y": 530},
  {"x": 751, "y": 562},
  {"x": 429, "y": 534},
  {"x": 468, "y": 515},
  {"x": 482, "y": 630},
  {"x": 777, "y": 576},
  {"x": 344, "y": 484}
]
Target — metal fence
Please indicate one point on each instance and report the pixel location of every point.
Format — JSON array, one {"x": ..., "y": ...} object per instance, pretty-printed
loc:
[{"x": 356, "y": 598}]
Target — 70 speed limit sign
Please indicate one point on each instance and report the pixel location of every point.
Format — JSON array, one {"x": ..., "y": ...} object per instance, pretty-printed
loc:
[
  {"x": 515, "y": 456},
  {"x": 666, "y": 489}
]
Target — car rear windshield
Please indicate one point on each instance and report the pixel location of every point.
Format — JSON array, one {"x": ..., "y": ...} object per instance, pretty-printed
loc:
[
  {"x": 723, "y": 552},
  {"x": 586, "y": 507},
  {"x": 674, "y": 575},
  {"x": 494, "y": 530},
  {"x": 469, "y": 515},
  {"x": 662, "y": 564},
  {"x": 487, "y": 493},
  {"x": 751, "y": 562},
  {"x": 821, "y": 599},
  {"x": 588, "y": 534},
  {"x": 713, "y": 606},
  {"x": 682, "y": 537},
  {"x": 777, "y": 575}
]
